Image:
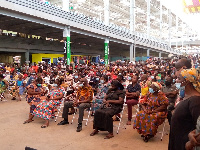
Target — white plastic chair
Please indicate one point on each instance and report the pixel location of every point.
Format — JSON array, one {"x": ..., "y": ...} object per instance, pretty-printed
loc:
[{"x": 84, "y": 119}]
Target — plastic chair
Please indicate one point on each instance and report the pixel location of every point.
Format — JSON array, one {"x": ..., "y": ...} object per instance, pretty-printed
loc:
[
  {"x": 120, "y": 120},
  {"x": 59, "y": 108},
  {"x": 84, "y": 119}
]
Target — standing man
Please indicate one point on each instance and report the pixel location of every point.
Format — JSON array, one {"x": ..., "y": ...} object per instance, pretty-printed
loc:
[{"x": 83, "y": 100}]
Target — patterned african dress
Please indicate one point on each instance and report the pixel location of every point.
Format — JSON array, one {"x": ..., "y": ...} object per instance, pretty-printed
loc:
[
  {"x": 34, "y": 100},
  {"x": 98, "y": 101},
  {"x": 20, "y": 86},
  {"x": 147, "y": 124},
  {"x": 2, "y": 85},
  {"x": 46, "y": 108}
]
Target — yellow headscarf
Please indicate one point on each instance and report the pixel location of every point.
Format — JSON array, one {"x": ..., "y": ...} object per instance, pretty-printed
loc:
[{"x": 193, "y": 76}]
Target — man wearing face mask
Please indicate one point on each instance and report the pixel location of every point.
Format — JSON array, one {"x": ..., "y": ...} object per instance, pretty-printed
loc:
[
  {"x": 132, "y": 95},
  {"x": 83, "y": 101},
  {"x": 171, "y": 92}
]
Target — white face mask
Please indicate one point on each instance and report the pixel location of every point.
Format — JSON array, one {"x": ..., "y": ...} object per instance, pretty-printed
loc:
[
  {"x": 55, "y": 85},
  {"x": 81, "y": 85}
]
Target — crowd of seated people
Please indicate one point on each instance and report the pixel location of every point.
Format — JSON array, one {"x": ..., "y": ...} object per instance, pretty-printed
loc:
[{"x": 162, "y": 89}]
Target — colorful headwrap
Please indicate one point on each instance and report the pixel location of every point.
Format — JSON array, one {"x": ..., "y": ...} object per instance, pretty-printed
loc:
[
  {"x": 193, "y": 76},
  {"x": 158, "y": 85}
]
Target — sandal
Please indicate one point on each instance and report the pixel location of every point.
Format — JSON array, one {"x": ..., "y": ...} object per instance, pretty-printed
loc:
[
  {"x": 94, "y": 132},
  {"x": 109, "y": 136},
  {"x": 44, "y": 126},
  {"x": 27, "y": 121}
]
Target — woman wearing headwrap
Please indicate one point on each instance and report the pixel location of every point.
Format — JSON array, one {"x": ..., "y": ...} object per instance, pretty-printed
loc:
[
  {"x": 187, "y": 111},
  {"x": 153, "y": 113}
]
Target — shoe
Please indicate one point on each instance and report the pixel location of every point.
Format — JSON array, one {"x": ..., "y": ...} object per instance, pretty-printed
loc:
[
  {"x": 13, "y": 98},
  {"x": 79, "y": 128},
  {"x": 63, "y": 122}
]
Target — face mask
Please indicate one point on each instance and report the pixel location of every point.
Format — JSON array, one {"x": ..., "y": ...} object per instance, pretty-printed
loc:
[
  {"x": 102, "y": 81},
  {"x": 97, "y": 79},
  {"x": 39, "y": 85},
  {"x": 182, "y": 92},
  {"x": 151, "y": 90},
  {"x": 152, "y": 77},
  {"x": 76, "y": 77},
  {"x": 81, "y": 85},
  {"x": 178, "y": 85},
  {"x": 167, "y": 83},
  {"x": 174, "y": 80},
  {"x": 55, "y": 85},
  {"x": 142, "y": 72},
  {"x": 129, "y": 78}
]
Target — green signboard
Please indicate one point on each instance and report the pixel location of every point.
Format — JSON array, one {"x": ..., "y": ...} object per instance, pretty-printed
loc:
[
  {"x": 106, "y": 48},
  {"x": 68, "y": 51}
]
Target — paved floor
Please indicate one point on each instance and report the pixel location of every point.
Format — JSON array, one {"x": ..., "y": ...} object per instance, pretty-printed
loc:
[{"x": 14, "y": 135}]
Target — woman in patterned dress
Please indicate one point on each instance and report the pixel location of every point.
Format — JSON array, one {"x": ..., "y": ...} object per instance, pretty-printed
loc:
[
  {"x": 46, "y": 108},
  {"x": 153, "y": 112},
  {"x": 34, "y": 96}
]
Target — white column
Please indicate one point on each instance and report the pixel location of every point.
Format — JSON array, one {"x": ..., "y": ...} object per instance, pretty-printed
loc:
[
  {"x": 106, "y": 12},
  {"x": 132, "y": 16},
  {"x": 134, "y": 51},
  {"x": 148, "y": 18},
  {"x": 27, "y": 55},
  {"x": 131, "y": 52},
  {"x": 160, "y": 54},
  {"x": 160, "y": 21},
  {"x": 65, "y": 5},
  {"x": 176, "y": 31},
  {"x": 148, "y": 52},
  {"x": 170, "y": 26}
]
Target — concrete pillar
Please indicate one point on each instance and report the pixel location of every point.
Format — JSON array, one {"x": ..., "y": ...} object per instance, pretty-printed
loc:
[
  {"x": 67, "y": 46},
  {"x": 176, "y": 31},
  {"x": 160, "y": 21},
  {"x": 65, "y": 5},
  {"x": 131, "y": 52},
  {"x": 106, "y": 12},
  {"x": 134, "y": 50},
  {"x": 148, "y": 18},
  {"x": 160, "y": 54},
  {"x": 148, "y": 52},
  {"x": 170, "y": 26},
  {"x": 27, "y": 55},
  {"x": 132, "y": 16}
]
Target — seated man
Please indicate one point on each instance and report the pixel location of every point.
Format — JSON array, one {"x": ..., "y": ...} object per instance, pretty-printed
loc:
[
  {"x": 132, "y": 95},
  {"x": 171, "y": 93},
  {"x": 83, "y": 101}
]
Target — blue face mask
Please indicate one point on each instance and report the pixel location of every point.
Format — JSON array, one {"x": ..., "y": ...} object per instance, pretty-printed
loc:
[
  {"x": 97, "y": 79},
  {"x": 178, "y": 85},
  {"x": 76, "y": 77},
  {"x": 174, "y": 80},
  {"x": 152, "y": 77},
  {"x": 39, "y": 84},
  {"x": 129, "y": 78},
  {"x": 151, "y": 90},
  {"x": 182, "y": 92},
  {"x": 55, "y": 85}
]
